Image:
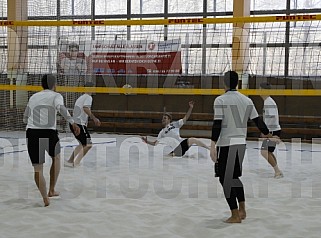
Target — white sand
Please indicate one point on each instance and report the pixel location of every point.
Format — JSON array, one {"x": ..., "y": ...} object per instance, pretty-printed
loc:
[{"x": 113, "y": 194}]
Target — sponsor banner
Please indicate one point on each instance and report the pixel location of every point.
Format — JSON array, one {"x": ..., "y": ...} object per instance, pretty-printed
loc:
[{"x": 129, "y": 57}]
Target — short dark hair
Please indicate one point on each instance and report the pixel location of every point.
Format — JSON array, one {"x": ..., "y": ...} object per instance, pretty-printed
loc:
[
  {"x": 265, "y": 85},
  {"x": 231, "y": 79},
  {"x": 48, "y": 81},
  {"x": 168, "y": 115},
  {"x": 73, "y": 45}
]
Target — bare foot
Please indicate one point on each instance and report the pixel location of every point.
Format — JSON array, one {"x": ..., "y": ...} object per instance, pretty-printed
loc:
[
  {"x": 233, "y": 219},
  {"x": 278, "y": 175},
  {"x": 242, "y": 214},
  {"x": 53, "y": 194},
  {"x": 46, "y": 201}
]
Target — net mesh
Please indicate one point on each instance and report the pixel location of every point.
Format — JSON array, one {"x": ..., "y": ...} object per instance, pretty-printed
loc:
[{"x": 112, "y": 54}]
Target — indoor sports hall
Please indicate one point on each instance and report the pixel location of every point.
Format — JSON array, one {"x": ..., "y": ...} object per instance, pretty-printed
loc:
[{"x": 142, "y": 60}]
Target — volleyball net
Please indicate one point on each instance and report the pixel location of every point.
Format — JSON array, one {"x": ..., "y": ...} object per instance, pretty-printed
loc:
[{"x": 181, "y": 56}]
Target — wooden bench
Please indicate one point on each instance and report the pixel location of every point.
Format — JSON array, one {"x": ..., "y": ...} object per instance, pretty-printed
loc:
[{"x": 198, "y": 125}]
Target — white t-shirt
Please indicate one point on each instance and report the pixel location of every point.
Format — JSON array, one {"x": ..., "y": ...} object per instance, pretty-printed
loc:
[
  {"x": 271, "y": 115},
  {"x": 170, "y": 134},
  {"x": 79, "y": 115},
  {"x": 41, "y": 111},
  {"x": 234, "y": 109},
  {"x": 74, "y": 66}
]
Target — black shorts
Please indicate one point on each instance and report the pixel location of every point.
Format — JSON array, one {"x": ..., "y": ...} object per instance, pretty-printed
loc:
[
  {"x": 229, "y": 160},
  {"x": 181, "y": 149},
  {"x": 268, "y": 144},
  {"x": 84, "y": 136},
  {"x": 41, "y": 140}
]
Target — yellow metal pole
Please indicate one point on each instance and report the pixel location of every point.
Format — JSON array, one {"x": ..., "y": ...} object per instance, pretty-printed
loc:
[
  {"x": 17, "y": 42},
  {"x": 240, "y": 42}
]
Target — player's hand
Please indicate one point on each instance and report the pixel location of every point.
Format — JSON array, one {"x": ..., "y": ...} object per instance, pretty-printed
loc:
[
  {"x": 76, "y": 129},
  {"x": 144, "y": 139},
  {"x": 213, "y": 154},
  {"x": 97, "y": 122},
  {"x": 191, "y": 104}
]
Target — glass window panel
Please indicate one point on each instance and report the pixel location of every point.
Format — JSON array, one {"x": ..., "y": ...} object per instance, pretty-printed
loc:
[
  {"x": 189, "y": 34},
  {"x": 3, "y": 58},
  {"x": 275, "y": 61},
  {"x": 110, "y": 7},
  {"x": 42, "y": 61},
  {"x": 75, "y": 7},
  {"x": 147, "y": 32},
  {"x": 111, "y": 32},
  {"x": 305, "y": 4},
  {"x": 268, "y": 32},
  {"x": 305, "y": 32},
  {"x": 75, "y": 33},
  {"x": 257, "y": 64},
  {"x": 175, "y": 6},
  {"x": 191, "y": 61},
  {"x": 305, "y": 61},
  {"x": 219, "y": 34},
  {"x": 42, "y": 8},
  {"x": 268, "y": 5},
  {"x": 155, "y": 6},
  {"x": 3, "y": 8},
  {"x": 218, "y": 60},
  {"x": 219, "y": 5}
]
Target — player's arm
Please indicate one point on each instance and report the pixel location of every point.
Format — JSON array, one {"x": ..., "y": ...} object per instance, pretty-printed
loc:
[
  {"x": 64, "y": 112},
  {"x": 261, "y": 125},
  {"x": 216, "y": 131},
  {"x": 59, "y": 104},
  {"x": 92, "y": 116},
  {"x": 153, "y": 143},
  {"x": 217, "y": 126},
  {"x": 189, "y": 112},
  {"x": 264, "y": 130},
  {"x": 26, "y": 114}
]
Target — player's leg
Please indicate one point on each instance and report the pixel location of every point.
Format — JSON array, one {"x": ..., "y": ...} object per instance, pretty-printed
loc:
[
  {"x": 181, "y": 149},
  {"x": 232, "y": 188},
  {"x": 239, "y": 185},
  {"x": 81, "y": 138},
  {"x": 41, "y": 182},
  {"x": 54, "y": 152},
  {"x": 267, "y": 150},
  {"x": 86, "y": 144},
  {"x": 242, "y": 210},
  {"x": 74, "y": 154},
  {"x": 82, "y": 153},
  {"x": 36, "y": 150},
  {"x": 197, "y": 142},
  {"x": 54, "y": 174}
]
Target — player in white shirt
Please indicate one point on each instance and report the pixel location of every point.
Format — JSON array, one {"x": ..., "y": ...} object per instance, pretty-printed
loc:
[
  {"x": 271, "y": 119},
  {"x": 232, "y": 111},
  {"x": 171, "y": 135},
  {"x": 73, "y": 64},
  {"x": 81, "y": 112},
  {"x": 42, "y": 135}
]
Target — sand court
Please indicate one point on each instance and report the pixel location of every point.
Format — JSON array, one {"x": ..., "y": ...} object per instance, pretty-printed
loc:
[{"x": 125, "y": 188}]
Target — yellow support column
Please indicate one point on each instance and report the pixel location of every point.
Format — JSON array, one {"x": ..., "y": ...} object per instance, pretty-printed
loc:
[
  {"x": 17, "y": 48},
  {"x": 240, "y": 43}
]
